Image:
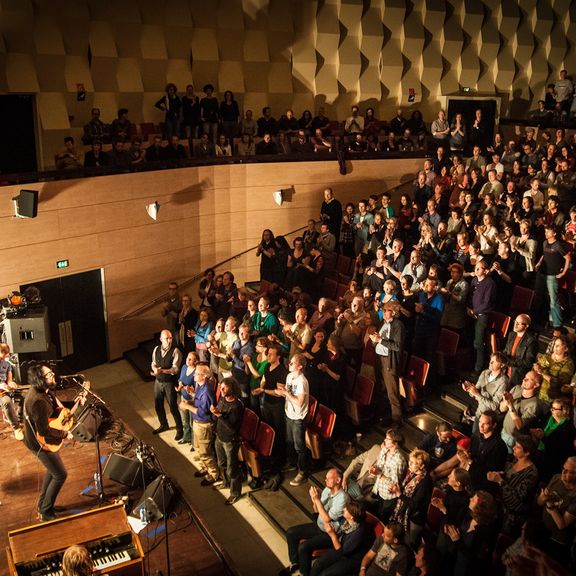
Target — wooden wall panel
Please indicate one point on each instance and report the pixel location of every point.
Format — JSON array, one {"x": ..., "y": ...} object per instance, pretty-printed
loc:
[{"x": 207, "y": 214}]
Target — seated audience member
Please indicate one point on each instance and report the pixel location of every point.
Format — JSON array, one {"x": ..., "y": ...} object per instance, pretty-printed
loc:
[
  {"x": 69, "y": 158},
  {"x": 461, "y": 460},
  {"x": 96, "y": 129},
  {"x": 360, "y": 476},
  {"x": 204, "y": 148},
  {"x": 118, "y": 156},
  {"x": 354, "y": 124},
  {"x": 155, "y": 152},
  {"x": 305, "y": 122},
  {"x": 440, "y": 445},
  {"x": 288, "y": 124},
  {"x": 266, "y": 123},
  {"x": 517, "y": 485},
  {"x": 246, "y": 146},
  {"x": 329, "y": 505},
  {"x": 248, "y": 125},
  {"x": 389, "y": 556},
  {"x": 96, "y": 157},
  {"x": 321, "y": 121},
  {"x": 558, "y": 503},
  {"x": 555, "y": 439},
  {"x": 319, "y": 142},
  {"x": 121, "y": 127},
  {"x": 301, "y": 145},
  {"x": 266, "y": 146},
  {"x": 223, "y": 146},
  {"x": 350, "y": 542},
  {"x": 357, "y": 144},
  {"x": 136, "y": 153}
]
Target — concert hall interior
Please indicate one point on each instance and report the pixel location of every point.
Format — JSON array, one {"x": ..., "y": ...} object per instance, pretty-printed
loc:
[{"x": 98, "y": 221}]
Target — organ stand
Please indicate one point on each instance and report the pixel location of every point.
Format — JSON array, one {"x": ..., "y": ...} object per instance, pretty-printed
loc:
[{"x": 37, "y": 550}]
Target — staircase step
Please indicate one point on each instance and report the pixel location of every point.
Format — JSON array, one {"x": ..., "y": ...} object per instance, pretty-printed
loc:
[
  {"x": 148, "y": 347},
  {"x": 253, "y": 286},
  {"x": 425, "y": 423},
  {"x": 443, "y": 410},
  {"x": 454, "y": 395},
  {"x": 279, "y": 509},
  {"x": 139, "y": 359}
]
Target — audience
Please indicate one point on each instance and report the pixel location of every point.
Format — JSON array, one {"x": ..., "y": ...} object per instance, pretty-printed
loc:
[{"x": 451, "y": 256}]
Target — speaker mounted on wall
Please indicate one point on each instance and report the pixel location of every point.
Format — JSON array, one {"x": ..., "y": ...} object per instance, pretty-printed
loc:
[{"x": 26, "y": 204}]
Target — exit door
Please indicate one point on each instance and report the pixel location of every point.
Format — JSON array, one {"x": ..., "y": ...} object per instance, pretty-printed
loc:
[{"x": 76, "y": 316}]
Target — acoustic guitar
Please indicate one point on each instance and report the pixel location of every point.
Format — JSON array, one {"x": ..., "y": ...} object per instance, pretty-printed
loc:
[{"x": 65, "y": 421}]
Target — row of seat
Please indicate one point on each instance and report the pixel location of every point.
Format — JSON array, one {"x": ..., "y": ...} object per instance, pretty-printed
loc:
[{"x": 257, "y": 437}]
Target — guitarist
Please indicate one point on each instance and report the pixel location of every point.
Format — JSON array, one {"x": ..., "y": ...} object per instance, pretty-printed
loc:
[
  {"x": 7, "y": 384},
  {"x": 39, "y": 407}
]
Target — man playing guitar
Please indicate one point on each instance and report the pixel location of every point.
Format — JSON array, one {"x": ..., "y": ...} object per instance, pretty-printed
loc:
[
  {"x": 7, "y": 385},
  {"x": 40, "y": 407}
]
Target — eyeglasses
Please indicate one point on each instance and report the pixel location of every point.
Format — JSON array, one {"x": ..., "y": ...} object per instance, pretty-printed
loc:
[
  {"x": 47, "y": 374},
  {"x": 556, "y": 408}
]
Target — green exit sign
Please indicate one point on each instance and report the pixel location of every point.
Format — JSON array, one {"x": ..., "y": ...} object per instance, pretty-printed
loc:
[{"x": 62, "y": 264}]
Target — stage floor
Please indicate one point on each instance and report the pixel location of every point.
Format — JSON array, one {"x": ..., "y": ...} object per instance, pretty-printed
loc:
[{"x": 193, "y": 550}]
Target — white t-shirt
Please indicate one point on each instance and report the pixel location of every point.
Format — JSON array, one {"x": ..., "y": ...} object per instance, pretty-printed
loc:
[{"x": 296, "y": 385}]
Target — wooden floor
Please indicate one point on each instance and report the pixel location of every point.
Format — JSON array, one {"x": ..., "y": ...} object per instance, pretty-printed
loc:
[{"x": 20, "y": 480}]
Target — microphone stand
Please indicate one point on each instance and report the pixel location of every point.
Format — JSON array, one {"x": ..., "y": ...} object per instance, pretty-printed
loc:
[
  {"x": 93, "y": 404},
  {"x": 164, "y": 483}
]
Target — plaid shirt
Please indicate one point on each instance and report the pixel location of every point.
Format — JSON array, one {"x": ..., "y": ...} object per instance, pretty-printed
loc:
[
  {"x": 347, "y": 233},
  {"x": 393, "y": 466}
]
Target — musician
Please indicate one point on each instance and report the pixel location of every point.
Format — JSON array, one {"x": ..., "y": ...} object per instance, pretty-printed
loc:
[
  {"x": 40, "y": 406},
  {"x": 77, "y": 562},
  {"x": 7, "y": 384}
]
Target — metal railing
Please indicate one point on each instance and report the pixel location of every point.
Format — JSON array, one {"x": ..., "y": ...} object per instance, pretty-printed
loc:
[{"x": 196, "y": 277}]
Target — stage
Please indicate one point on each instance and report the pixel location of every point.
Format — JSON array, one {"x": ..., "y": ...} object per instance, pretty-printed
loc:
[{"x": 206, "y": 537}]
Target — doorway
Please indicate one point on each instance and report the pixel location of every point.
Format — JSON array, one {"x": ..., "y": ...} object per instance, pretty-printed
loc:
[{"x": 77, "y": 318}]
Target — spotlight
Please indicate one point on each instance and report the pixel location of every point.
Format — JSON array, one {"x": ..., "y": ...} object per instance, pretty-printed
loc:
[{"x": 278, "y": 196}]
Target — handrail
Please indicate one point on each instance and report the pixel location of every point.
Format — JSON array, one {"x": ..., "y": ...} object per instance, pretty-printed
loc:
[
  {"x": 191, "y": 280},
  {"x": 163, "y": 296}
]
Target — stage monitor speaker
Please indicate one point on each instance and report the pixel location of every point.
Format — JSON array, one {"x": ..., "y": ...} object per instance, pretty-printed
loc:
[
  {"x": 87, "y": 425},
  {"x": 127, "y": 471},
  {"x": 152, "y": 502},
  {"x": 28, "y": 203},
  {"x": 29, "y": 333}
]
